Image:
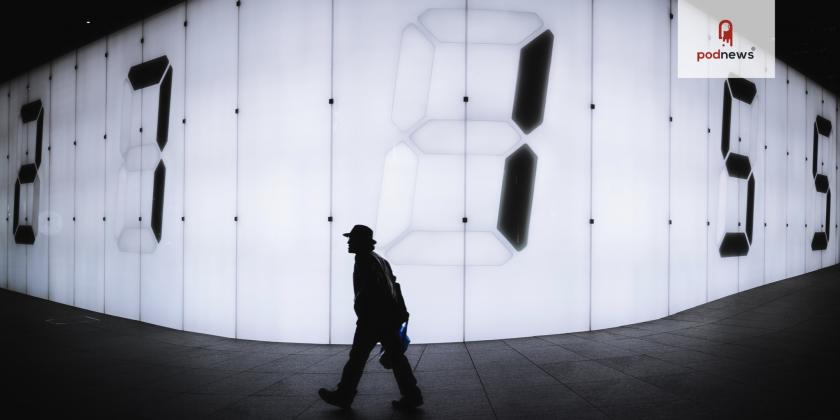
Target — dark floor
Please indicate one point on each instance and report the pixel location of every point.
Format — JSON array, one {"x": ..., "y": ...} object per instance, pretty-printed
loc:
[{"x": 770, "y": 352}]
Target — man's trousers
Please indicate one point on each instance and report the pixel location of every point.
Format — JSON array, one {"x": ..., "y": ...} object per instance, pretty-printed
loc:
[{"x": 364, "y": 341}]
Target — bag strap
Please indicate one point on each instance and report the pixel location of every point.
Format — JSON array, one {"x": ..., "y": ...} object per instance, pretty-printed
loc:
[{"x": 389, "y": 281}]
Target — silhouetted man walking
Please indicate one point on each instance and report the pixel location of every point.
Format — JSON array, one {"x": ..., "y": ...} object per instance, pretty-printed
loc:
[{"x": 379, "y": 320}]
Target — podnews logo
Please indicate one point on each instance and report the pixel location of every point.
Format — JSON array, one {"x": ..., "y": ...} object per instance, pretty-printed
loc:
[{"x": 726, "y": 33}]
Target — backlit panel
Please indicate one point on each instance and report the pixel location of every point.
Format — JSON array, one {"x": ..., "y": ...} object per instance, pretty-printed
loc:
[
  {"x": 122, "y": 176},
  {"x": 775, "y": 186},
  {"x": 210, "y": 169},
  {"x": 629, "y": 242},
  {"x": 284, "y": 140},
  {"x": 90, "y": 177},
  {"x": 797, "y": 180},
  {"x": 688, "y": 183},
  {"x": 62, "y": 177},
  {"x": 751, "y": 196}
]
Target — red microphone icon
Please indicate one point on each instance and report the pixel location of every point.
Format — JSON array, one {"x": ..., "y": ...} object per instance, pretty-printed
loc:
[{"x": 725, "y": 31}]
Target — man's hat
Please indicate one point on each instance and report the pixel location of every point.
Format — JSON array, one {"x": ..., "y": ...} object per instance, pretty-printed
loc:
[{"x": 361, "y": 232}]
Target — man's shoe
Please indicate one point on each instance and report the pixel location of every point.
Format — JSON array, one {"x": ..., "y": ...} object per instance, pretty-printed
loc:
[
  {"x": 336, "y": 398},
  {"x": 407, "y": 403}
]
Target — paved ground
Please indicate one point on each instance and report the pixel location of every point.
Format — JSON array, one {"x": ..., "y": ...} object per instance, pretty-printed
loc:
[{"x": 770, "y": 352}]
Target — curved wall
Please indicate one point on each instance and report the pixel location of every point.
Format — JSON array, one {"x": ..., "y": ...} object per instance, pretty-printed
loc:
[{"x": 529, "y": 167}]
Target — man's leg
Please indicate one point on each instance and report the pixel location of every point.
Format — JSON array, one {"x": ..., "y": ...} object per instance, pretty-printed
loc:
[
  {"x": 364, "y": 341},
  {"x": 402, "y": 369}
]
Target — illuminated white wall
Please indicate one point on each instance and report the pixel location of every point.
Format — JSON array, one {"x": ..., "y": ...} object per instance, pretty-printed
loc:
[{"x": 529, "y": 167}]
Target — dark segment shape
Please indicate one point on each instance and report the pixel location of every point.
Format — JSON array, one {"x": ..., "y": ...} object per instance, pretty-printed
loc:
[
  {"x": 148, "y": 73},
  {"x": 31, "y": 111},
  {"x": 39, "y": 139},
  {"x": 742, "y": 90},
  {"x": 517, "y": 196},
  {"x": 163, "y": 109},
  {"x": 15, "y": 211},
  {"x": 27, "y": 173},
  {"x": 735, "y": 244},
  {"x": 750, "y": 207},
  {"x": 819, "y": 242},
  {"x": 34, "y": 111},
  {"x": 532, "y": 82},
  {"x": 821, "y": 182},
  {"x": 727, "y": 122},
  {"x": 157, "y": 199},
  {"x": 816, "y": 150},
  {"x": 822, "y": 127},
  {"x": 142, "y": 76},
  {"x": 738, "y": 166},
  {"x": 24, "y": 234},
  {"x": 827, "y": 214}
]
